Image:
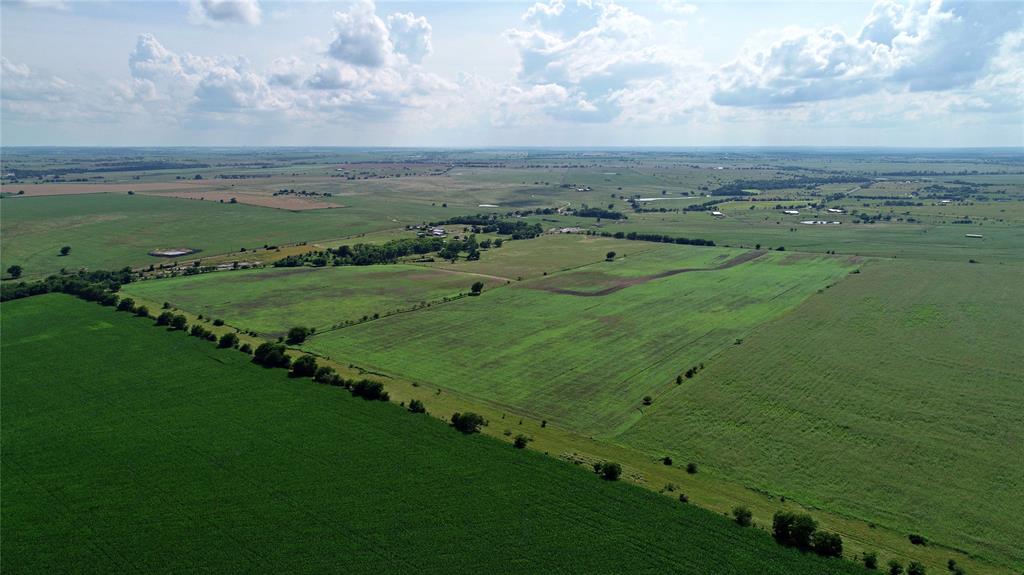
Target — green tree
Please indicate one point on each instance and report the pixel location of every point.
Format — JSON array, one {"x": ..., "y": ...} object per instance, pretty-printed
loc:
[
  {"x": 164, "y": 318},
  {"x": 476, "y": 288},
  {"x": 179, "y": 321},
  {"x": 520, "y": 441},
  {"x": 611, "y": 471},
  {"x": 915, "y": 568},
  {"x": 297, "y": 335},
  {"x": 742, "y": 516},
  {"x": 468, "y": 422},
  {"x": 827, "y": 544},
  {"x": 871, "y": 560},
  {"x": 14, "y": 271},
  {"x": 305, "y": 366},
  {"x": 323, "y": 374},
  {"x": 228, "y": 340},
  {"x": 142, "y": 311},
  {"x": 65, "y": 250},
  {"x": 127, "y": 304},
  {"x": 416, "y": 406},
  {"x": 895, "y": 568}
]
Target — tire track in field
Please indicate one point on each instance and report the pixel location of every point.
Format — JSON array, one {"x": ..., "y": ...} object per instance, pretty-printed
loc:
[{"x": 625, "y": 283}]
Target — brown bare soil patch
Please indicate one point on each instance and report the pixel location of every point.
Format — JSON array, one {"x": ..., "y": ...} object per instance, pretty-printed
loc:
[{"x": 627, "y": 282}]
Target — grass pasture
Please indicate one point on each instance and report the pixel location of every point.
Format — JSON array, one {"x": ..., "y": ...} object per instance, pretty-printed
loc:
[
  {"x": 894, "y": 397},
  {"x": 585, "y": 363},
  {"x": 210, "y": 463},
  {"x": 271, "y": 300},
  {"x": 110, "y": 231}
]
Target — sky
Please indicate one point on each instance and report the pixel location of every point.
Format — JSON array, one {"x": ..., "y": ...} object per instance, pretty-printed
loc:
[{"x": 472, "y": 74}]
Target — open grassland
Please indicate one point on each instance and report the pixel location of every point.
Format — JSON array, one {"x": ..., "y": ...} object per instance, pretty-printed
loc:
[
  {"x": 939, "y": 242},
  {"x": 586, "y": 363},
  {"x": 110, "y": 231},
  {"x": 271, "y": 300},
  {"x": 546, "y": 254},
  {"x": 210, "y": 463},
  {"x": 896, "y": 396}
]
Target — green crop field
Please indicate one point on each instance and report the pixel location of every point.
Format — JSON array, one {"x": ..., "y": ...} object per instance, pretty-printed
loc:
[
  {"x": 587, "y": 362},
  {"x": 271, "y": 300},
  {"x": 135, "y": 449},
  {"x": 894, "y": 396}
]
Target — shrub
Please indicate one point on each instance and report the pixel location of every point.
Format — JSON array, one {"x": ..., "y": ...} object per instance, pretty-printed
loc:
[
  {"x": 323, "y": 374},
  {"x": 871, "y": 560},
  {"x": 246, "y": 348},
  {"x": 793, "y": 530},
  {"x": 827, "y": 544},
  {"x": 218, "y": 322},
  {"x": 468, "y": 422},
  {"x": 520, "y": 441},
  {"x": 915, "y": 568},
  {"x": 271, "y": 355},
  {"x": 666, "y": 460},
  {"x": 683, "y": 498},
  {"x": 228, "y": 340},
  {"x": 164, "y": 318},
  {"x": 917, "y": 539},
  {"x": 742, "y": 516},
  {"x": 297, "y": 335},
  {"x": 142, "y": 311},
  {"x": 691, "y": 468},
  {"x": 371, "y": 390},
  {"x": 895, "y": 568},
  {"x": 127, "y": 304},
  {"x": 179, "y": 321},
  {"x": 648, "y": 400},
  {"x": 476, "y": 288},
  {"x": 609, "y": 256},
  {"x": 416, "y": 406},
  {"x": 608, "y": 471},
  {"x": 305, "y": 366}
]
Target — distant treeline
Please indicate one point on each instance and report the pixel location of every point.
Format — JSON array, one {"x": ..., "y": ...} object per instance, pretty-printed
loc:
[
  {"x": 90, "y": 286},
  {"x": 490, "y": 223},
  {"x": 654, "y": 238},
  {"x": 365, "y": 254},
  {"x": 108, "y": 167},
  {"x": 599, "y": 213}
]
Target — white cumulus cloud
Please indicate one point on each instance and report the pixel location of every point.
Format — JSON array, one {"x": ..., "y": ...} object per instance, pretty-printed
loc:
[{"x": 225, "y": 11}]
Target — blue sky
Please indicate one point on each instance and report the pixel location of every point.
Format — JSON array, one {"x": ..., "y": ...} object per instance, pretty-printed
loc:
[{"x": 554, "y": 73}]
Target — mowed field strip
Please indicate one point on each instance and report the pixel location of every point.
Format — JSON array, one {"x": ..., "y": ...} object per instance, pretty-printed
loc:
[
  {"x": 585, "y": 363},
  {"x": 271, "y": 300},
  {"x": 210, "y": 463},
  {"x": 895, "y": 397}
]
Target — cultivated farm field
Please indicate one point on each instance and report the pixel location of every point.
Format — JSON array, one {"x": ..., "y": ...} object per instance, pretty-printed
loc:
[
  {"x": 582, "y": 362},
  {"x": 272, "y": 300},
  {"x": 888, "y": 397},
  {"x": 212, "y": 463}
]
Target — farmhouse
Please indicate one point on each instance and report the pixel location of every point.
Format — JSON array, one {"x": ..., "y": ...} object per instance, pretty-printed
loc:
[
  {"x": 791, "y": 212},
  {"x": 438, "y": 232},
  {"x": 717, "y": 214},
  {"x": 835, "y": 211},
  {"x": 978, "y": 236}
]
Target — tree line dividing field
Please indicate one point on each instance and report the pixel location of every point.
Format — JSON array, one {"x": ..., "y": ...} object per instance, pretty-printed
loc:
[{"x": 214, "y": 463}]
